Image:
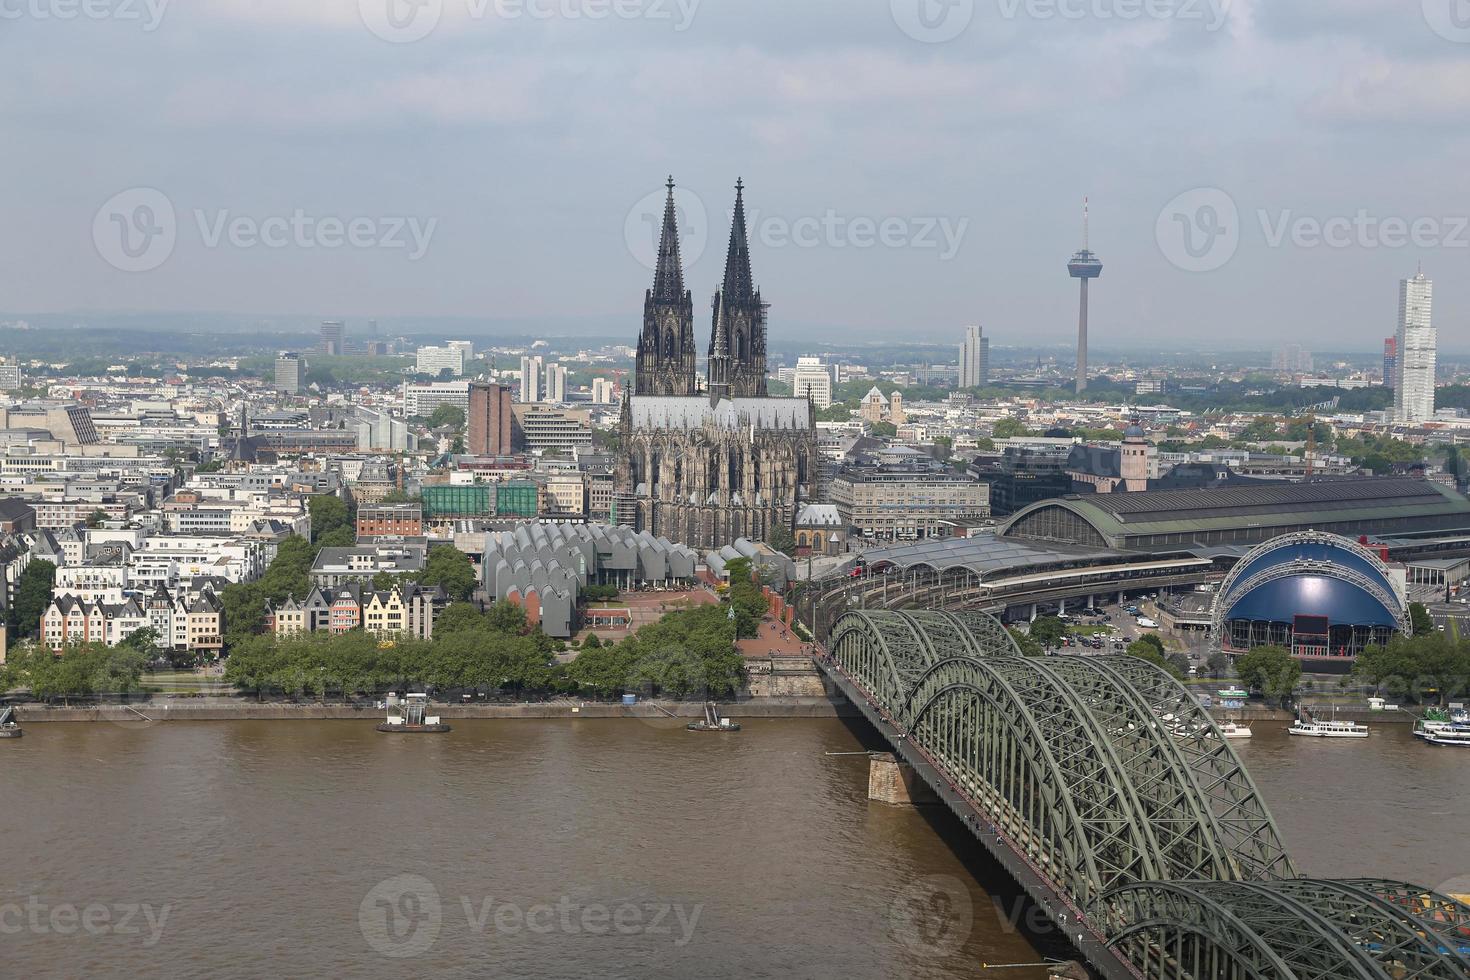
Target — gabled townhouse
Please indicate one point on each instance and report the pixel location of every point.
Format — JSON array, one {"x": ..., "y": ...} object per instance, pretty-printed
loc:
[
  {"x": 182, "y": 622},
  {"x": 408, "y": 609}
]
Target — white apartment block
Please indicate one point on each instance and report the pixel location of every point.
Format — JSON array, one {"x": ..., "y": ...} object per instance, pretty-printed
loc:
[{"x": 432, "y": 360}]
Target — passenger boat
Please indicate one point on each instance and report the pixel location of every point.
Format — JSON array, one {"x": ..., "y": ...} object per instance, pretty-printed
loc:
[
  {"x": 1328, "y": 729},
  {"x": 1439, "y": 719},
  {"x": 712, "y": 721},
  {"x": 1233, "y": 694},
  {"x": 411, "y": 716},
  {"x": 1453, "y": 735},
  {"x": 8, "y": 727},
  {"x": 1231, "y": 730}
]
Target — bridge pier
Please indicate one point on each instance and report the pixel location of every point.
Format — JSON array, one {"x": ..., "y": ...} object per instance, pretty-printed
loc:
[{"x": 896, "y": 783}]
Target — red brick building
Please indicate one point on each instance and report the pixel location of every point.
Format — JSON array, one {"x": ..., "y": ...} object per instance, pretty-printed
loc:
[{"x": 489, "y": 422}]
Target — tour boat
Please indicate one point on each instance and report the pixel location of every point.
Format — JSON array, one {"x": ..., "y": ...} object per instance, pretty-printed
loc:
[
  {"x": 411, "y": 717},
  {"x": 1234, "y": 694},
  {"x": 8, "y": 727},
  {"x": 1328, "y": 729},
  {"x": 1438, "y": 719},
  {"x": 1453, "y": 735},
  {"x": 1231, "y": 730}
]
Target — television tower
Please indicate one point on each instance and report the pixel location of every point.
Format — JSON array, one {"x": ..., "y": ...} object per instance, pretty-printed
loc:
[{"x": 1084, "y": 265}]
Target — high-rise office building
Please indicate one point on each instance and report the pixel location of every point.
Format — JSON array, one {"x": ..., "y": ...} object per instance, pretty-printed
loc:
[
  {"x": 1416, "y": 344},
  {"x": 1390, "y": 360},
  {"x": 334, "y": 337},
  {"x": 9, "y": 375},
  {"x": 490, "y": 421},
  {"x": 468, "y": 346},
  {"x": 432, "y": 360},
  {"x": 556, "y": 384},
  {"x": 812, "y": 379},
  {"x": 290, "y": 372},
  {"x": 974, "y": 358},
  {"x": 531, "y": 377}
]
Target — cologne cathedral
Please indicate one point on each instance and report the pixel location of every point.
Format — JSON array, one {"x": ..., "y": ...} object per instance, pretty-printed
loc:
[{"x": 706, "y": 464}]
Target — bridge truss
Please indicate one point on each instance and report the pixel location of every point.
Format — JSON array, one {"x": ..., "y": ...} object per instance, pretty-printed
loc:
[{"x": 1111, "y": 782}]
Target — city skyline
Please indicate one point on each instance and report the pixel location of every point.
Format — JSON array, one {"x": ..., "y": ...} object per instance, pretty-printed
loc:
[{"x": 975, "y": 228}]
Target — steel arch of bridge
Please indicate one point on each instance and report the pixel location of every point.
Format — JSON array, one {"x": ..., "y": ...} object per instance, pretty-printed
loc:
[
  {"x": 1299, "y": 929},
  {"x": 1111, "y": 782}
]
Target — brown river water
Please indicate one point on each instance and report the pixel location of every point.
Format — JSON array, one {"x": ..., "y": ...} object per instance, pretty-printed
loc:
[{"x": 612, "y": 848}]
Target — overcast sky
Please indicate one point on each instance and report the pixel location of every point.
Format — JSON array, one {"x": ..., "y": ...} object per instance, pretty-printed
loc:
[{"x": 1259, "y": 171}]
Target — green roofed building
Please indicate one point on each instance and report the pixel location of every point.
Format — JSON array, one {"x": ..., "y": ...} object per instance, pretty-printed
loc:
[
  {"x": 476, "y": 500},
  {"x": 1152, "y": 520}
]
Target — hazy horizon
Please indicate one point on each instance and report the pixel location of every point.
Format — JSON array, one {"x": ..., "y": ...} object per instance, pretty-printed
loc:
[{"x": 911, "y": 166}]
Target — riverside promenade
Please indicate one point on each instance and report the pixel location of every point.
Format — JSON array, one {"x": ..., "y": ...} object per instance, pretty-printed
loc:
[{"x": 165, "y": 709}]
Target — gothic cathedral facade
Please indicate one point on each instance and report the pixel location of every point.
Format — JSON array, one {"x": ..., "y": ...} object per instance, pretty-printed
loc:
[{"x": 704, "y": 467}]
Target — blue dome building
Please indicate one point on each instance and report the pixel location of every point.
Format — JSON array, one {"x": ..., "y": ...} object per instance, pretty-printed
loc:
[{"x": 1323, "y": 597}]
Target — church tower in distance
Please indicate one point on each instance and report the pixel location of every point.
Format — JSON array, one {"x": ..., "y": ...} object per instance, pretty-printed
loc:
[
  {"x": 666, "y": 349},
  {"x": 738, "y": 334}
]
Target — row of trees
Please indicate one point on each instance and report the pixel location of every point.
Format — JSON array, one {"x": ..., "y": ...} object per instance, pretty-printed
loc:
[
  {"x": 1431, "y": 666},
  {"x": 690, "y": 653},
  {"x": 84, "y": 669}
]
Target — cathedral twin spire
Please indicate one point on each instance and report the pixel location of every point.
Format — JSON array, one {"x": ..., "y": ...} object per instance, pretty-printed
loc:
[{"x": 737, "y": 348}]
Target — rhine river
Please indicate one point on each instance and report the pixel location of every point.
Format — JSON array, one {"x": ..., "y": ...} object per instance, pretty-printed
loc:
[{"x": 614, "y": 848}]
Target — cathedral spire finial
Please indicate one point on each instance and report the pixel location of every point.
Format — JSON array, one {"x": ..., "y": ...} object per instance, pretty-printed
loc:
[
  {"x": 668, "y": 275},
  {"x": 738, "y": 281}
]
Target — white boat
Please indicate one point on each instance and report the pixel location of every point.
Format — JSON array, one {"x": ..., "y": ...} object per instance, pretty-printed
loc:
[
  {"x": 1454, "y": 735},
  {"x": 1328, "y": 729},
  {"x": 1231, "y": 730}
]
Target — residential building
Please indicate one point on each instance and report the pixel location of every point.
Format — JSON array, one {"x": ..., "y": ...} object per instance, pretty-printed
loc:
[
  {"x": 390, "y": 520},
  {"x": 556, "y": 384},
  {"x": 335, "y": 567},
  {"x": 532, "y": 368},
  {"x": 1416, "y": 344},
  {"x": 10, "y": 376},
  {"x": 604, "y": 392}
]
